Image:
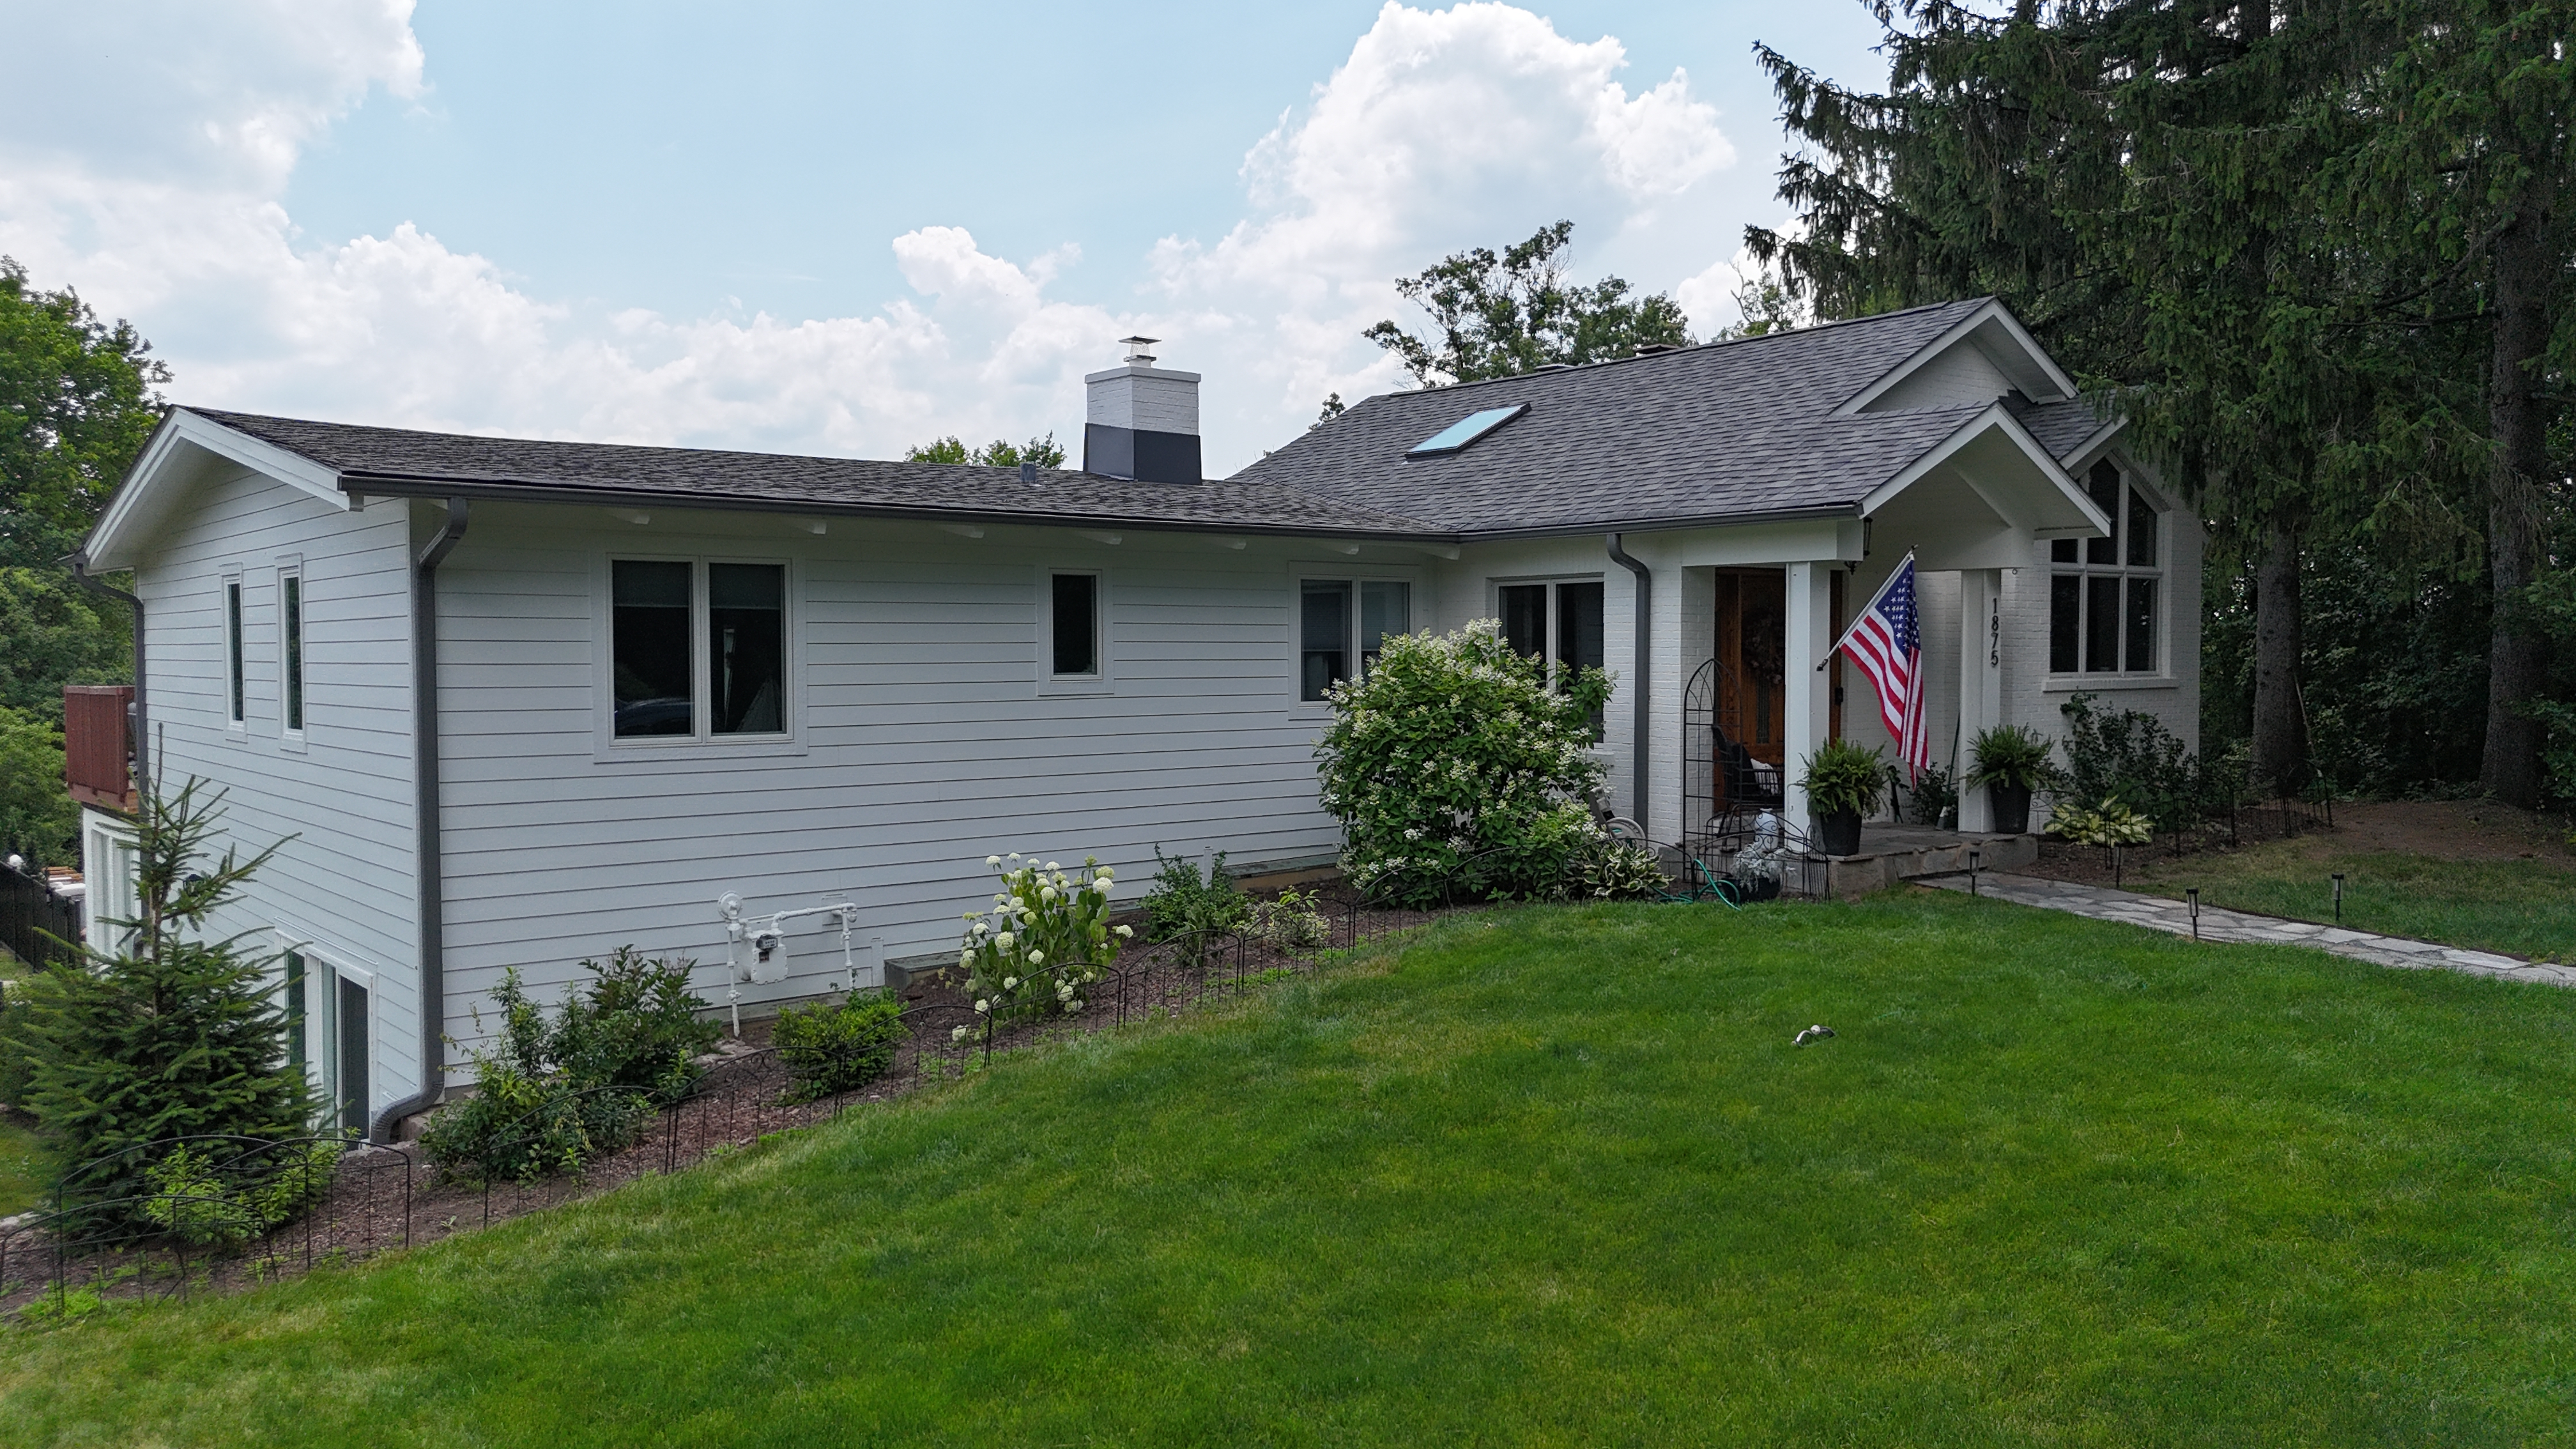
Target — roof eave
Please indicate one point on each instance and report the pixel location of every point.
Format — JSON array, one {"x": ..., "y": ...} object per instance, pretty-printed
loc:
[{"x": 390, "y": 485}]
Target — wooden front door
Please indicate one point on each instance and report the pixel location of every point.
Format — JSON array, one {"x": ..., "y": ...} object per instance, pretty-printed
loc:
[{"x": 1752, "y": 625}]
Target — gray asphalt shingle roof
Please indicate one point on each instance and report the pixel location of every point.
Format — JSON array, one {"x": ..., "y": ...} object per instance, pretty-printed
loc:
[
  {"x": 404, "y": 461},
  {"x": 1740, "y": 429},
  {"x": 1725, "y": 430}
]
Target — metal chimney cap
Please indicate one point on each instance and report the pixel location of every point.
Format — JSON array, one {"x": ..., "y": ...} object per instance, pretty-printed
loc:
[{"x": 1136, "y": 352}]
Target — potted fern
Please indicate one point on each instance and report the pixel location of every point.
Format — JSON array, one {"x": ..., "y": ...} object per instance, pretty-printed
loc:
[
  {"x": 2011, "y": 761},
  {"x": 1843, "y": 783}
]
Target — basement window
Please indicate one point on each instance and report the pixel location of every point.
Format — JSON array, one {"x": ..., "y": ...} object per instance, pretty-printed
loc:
[{"x": 1466, "y": 430}]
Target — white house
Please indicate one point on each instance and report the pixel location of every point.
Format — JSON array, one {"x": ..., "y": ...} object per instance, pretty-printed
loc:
[{"x": 519, "y": 703}]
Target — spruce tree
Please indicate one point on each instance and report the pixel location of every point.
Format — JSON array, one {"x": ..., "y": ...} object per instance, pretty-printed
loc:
[{"x": 168, "y": 1034}]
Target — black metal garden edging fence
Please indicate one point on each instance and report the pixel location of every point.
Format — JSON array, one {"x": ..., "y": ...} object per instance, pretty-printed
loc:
[
  {"x": 108, "y": 1231},
  {"x": 36, "y": 925}
]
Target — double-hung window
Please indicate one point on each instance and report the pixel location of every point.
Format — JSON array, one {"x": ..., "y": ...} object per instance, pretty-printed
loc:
[
  {"x": 1559, "y": 623},
  {"x": 1342, "y": 624},
  {"x": 2104, "y": 593},
  {"x": 698, "y": 648}
]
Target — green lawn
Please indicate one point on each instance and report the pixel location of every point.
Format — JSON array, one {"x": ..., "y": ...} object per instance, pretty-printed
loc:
[
  {"x": 1547, "y": 1176},
  {"x": 2527, "y": 907},
  {"x": 24, "y": 1169}
]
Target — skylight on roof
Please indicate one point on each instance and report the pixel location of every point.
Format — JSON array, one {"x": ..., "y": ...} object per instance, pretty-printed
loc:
[{"x": 1464, "y": 431}]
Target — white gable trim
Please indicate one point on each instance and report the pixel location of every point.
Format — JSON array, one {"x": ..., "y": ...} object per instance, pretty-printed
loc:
[
  {"x": 1996, "y": 418},
  {"x": 1992, "y": 312},
  {"x": 155, "y": 473}
]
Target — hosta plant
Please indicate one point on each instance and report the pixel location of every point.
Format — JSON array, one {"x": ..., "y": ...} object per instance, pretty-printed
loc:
[
  {"x": 1046, "y": 939},
  {"x": 2109, "y": 823}
]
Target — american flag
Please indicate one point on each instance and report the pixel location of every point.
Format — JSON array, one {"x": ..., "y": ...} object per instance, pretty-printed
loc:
[{"x": 1886, "y": 641}]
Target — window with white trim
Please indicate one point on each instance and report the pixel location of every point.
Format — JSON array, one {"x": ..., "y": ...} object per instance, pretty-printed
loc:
[
  {"x": 290, "y": 652},
  {"x": 1342, "y": 624},
  {"x": 1073, "y": 633},
  {"x": 2104, "y": 594},
  {"x": 236, "y": 692},
  {"x": 1560, "y": 623},
  {"x": 697, "y": 648}
]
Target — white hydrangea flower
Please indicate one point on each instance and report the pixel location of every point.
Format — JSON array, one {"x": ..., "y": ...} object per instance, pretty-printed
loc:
[
  {"x": 983, "y": 1004},
  {"x": 1124, "y": 932},
  {"x": 992, "y": 860},
  {"x": 1037, "y": 958},
  {"x": 1051, "y": 865},
  {"x": 1106, "y": 872},
  {"x": 1049, "y": 895},
  {"x": 981, "y": 928},
  {"x": 1010, "y": 983},
  {"x": 957, "y": 1035}
]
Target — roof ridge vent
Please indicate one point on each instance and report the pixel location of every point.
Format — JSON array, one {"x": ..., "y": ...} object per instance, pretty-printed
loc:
[
  {"x": 1651, "y": 348},
  {"x": 1555, "y": 367}
]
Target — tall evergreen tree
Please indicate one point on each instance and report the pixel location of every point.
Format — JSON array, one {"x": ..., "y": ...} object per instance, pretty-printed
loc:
[
  {"x": 170, "y": 1034},
  {"x": 2136, "y": 180},
  {"x": 2465, "y": 187}
]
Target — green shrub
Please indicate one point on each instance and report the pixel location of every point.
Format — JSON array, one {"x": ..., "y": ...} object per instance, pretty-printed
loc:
[
  {"x": 1841, "y": 776},
  {"x": 1292, "y": 923},
  {"x": 1933, "y": 795},
  {"x": 1046, "y": 938},
  {"x": 193, "y": 1201},
  {"x": 2013, "y": 756},
  {"x": 828, "y": 1049},
  {"x": 2130, "y": 754},
  {"x": 556, "y": 1091},
  {"x": 1182, "y": 901},
  {"x": 1454, "y": 768}
]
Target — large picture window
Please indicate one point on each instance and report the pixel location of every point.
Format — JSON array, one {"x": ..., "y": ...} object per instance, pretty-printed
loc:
[
  {"x": 697, "y": 649},
  {"x": 2103, "y": 592},
  {"x": 1342, "y": 622}
]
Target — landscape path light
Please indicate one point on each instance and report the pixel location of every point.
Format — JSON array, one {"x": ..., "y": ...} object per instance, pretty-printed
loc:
[{"x": 2338, "y": 889}]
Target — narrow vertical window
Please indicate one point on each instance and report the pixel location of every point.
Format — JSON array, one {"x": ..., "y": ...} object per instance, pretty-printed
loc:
[
  {"x": 290, "y": 606},
  {"x": 1073, "y": 625},
  {"x": 1323, "y": 636},
  {"x": 1578, "y": 631},
  {"x": 2142, "y": 533},
  {"x": 352, "y": 1043},
  {"x": 1525, "y": 618},
  {"x": 649, "y": 625},
  {"x": 238, "y": 695},
  {"x": 1386, "y": 610},
  {"x": 296, "y": 1045},
  {"x": 2104, "y": 485},
  {"x": 747, "y": 648},
  {"x": 2101, "y": 624},
  {"x": 2141, "y": 626},
  {"x": 2065, "y": 623}
]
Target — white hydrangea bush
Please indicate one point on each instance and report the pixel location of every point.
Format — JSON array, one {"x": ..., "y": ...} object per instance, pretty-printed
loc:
[
  {"x": 1045, "y": 940},
  {"x": 1455, "y": 769}
]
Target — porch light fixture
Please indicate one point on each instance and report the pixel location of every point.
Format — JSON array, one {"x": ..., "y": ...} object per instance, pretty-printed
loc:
[{"x": 1466, "y": 430}]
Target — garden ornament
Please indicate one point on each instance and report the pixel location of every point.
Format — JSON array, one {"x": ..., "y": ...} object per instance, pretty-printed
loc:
[{"x": 1813, "y": 1033}]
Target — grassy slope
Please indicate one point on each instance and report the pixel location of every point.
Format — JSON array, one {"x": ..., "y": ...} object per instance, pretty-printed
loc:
[
  {"x": 1548, "y": 1177},
  {"x": 2527, "y": 907}
]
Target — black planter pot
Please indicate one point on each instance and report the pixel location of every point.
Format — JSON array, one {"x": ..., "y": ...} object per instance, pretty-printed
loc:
[
  {"x": 2011, "y": 807},
  {"x": 1839, "y": 833},
  {"x": 1749, "y": 889}
]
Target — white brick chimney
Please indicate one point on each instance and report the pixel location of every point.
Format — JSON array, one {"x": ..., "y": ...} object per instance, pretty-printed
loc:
[{"x": 1141, "y": 421}]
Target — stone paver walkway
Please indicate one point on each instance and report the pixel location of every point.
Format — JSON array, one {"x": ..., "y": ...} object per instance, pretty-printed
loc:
[{"x": 2159, "y": 914}]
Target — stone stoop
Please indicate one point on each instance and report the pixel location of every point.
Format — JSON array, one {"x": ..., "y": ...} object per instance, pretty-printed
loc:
[{"x": 1892, "y": 855}]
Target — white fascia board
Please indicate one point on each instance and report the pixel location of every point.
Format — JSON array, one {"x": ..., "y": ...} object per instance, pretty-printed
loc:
[
  {"x": 152, "y": 476},
  {"x": 1993, "y": 311},
  {"x": 1996, "y": 418},
  {"x": 2090, "y": 451}
]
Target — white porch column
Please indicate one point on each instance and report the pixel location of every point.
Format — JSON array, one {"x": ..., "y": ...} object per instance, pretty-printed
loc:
[
  {"x": 1981, "y": 679},
  {"x": 1808, "y": 710}
]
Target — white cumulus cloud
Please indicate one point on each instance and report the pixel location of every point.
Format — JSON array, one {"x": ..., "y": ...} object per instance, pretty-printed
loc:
[{"x": 1443, "y": 129}]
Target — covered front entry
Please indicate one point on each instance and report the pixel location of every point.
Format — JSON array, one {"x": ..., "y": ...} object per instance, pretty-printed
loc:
[{"x": 1736, "y": 709}]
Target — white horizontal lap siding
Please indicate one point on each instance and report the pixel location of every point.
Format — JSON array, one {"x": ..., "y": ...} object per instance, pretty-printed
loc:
[
  {"x": 342, "y": 803},
  {"x": 922, "y": 743}
]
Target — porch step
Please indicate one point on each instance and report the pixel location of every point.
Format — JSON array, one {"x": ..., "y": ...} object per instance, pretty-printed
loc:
[{"x": 1891, "y": 854}]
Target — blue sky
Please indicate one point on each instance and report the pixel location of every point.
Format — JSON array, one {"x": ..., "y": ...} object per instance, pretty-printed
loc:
[{"x": 841, "y": 228}]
